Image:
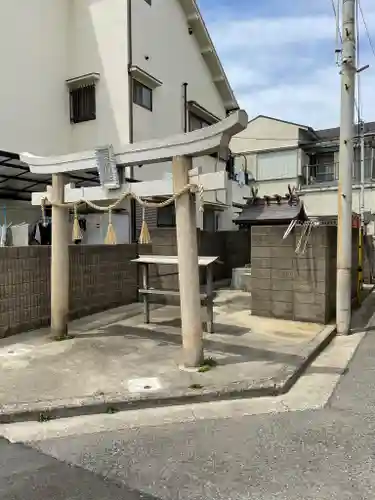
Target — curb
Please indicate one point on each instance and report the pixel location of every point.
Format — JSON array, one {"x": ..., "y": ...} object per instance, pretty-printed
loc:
[{"x": 112, "y": 403}]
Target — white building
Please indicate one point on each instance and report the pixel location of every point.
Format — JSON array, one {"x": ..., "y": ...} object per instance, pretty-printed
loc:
[
  {"x": 87, "y": 73},
  {"x": 279, "y": 153}
]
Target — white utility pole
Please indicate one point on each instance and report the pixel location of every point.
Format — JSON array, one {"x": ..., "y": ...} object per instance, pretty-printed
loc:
[
  {"x": 346, "y": 158},
  {"x": 362, "y": 192}
]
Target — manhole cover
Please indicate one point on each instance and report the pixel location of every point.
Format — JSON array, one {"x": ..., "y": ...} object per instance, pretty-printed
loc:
[{"x": 144, "y": 384}]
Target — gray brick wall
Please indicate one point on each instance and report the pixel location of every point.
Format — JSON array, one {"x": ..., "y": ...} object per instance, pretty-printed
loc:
[
  {"x": 287, "y": 286},
  {"x": 101, "y": 277}
]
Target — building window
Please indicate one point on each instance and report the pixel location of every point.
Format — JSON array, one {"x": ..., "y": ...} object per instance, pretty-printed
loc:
[
  {"x": 196, "y": 123},
  {"x": 166, "y": 216},
  {"x": 142, "y": 95},
  {"x": 82, "y": 104},
  {"x": 210, "y": 220}
]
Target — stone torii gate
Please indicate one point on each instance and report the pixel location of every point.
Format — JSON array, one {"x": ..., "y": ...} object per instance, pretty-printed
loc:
[{"x": 181, "y": 149}]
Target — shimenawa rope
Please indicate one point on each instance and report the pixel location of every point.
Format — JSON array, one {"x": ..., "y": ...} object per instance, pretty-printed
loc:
[{"x": 110, "y": 239}]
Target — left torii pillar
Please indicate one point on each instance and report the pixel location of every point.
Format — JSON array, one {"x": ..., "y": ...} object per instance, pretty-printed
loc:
[{"x": 59, "y": 259}]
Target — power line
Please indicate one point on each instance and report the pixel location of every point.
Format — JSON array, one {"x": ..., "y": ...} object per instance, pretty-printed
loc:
[
  {"x": 266, "y": 138},
  {"x": 358, "y": 55},
  {"x": 372, "y": 44},
  {"x": 336, "y": 13}
]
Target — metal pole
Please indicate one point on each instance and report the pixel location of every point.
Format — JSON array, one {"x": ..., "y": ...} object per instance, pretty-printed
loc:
[
  {"x": 362, "y": 191},
  {"x": 362, "y": 212},
  {"x": 346, "y": 157}
]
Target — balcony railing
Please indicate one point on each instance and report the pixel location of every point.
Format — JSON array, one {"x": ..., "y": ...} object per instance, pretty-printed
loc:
[{"x": 328, "y": 173}]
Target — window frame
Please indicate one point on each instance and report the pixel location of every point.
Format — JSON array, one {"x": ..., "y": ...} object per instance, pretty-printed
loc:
[
  {"x": 137, "y": 83},
  {"x": 82, "y": 96},
  {"x": 203, "y": 123},
  {"x": 214, "y": 214},
  {"x": 173, "y": 217}
]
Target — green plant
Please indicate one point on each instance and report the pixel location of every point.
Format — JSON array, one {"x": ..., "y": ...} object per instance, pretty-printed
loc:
[
  {"x": 195, "y": 386},
  {"x": 207, "y": 364},
  {"x": 60, "y": 338},
  {"x": 44, "y": 417},
  {"x": 204, "y": 368},
  {"x": 112, "y": 410}
]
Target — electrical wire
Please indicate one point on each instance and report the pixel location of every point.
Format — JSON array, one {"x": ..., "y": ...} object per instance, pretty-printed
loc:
[
  {"x": 371, "y": 42},
  {"x": 358, "y": 55},
  {"x": 336, "y": 13},
  {"x": 278, "y": 139}
]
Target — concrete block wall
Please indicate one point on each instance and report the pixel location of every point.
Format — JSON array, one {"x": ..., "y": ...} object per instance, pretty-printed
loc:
[
  {"x": 288, "y": 286},
  {"x": 24, "y": 288},
  {"x": 101, "y": 277}
]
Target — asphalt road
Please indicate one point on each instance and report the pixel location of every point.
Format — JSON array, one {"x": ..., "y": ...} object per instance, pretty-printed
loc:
[
  {"x": 309, "y": 455},
  {"x": 26, "y": 474}
]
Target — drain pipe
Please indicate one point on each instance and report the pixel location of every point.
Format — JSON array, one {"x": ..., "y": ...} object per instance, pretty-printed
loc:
[
  {"x": 185, "y": 106},
  {"x": 133, "y": 217}
]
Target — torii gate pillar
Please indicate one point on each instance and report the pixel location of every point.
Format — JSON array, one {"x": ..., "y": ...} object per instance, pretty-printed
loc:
[
  {"x": 188, "y": 270},
  {"x": 59, "y": 260}
]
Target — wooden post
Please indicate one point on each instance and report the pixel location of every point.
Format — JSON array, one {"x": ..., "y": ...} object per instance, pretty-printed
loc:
[
  {"x": 188, "y": 271},
  {"x": 209, "y": 299},
  {"x": 59, "y": 260},
  {"x": 146, "y": 302}
]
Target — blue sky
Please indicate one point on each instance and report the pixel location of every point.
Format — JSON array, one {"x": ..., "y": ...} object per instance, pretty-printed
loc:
[{"x": 280, "y": 57}]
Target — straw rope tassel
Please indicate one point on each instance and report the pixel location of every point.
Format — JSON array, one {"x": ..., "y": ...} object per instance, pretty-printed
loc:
[
  {"x": 43, "y": 209},
  {"x": 110, "y": 239},
  {"x": 144, "y": 237},
  {"x": 76, "y": 233},
  {"x": 201, "y": 198}
]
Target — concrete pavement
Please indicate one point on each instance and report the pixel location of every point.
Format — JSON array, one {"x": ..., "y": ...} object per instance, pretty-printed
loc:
[
  {"x": 311, "y": 391},
  {"x": 322, "y": 454},
  {"x": 116, "y": 362},
  {"x": 314, "y": 443},
  {"x": 320, "y": 447}
]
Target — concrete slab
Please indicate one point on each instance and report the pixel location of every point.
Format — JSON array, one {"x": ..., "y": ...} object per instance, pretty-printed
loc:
[{"x": 118, "y": 363}]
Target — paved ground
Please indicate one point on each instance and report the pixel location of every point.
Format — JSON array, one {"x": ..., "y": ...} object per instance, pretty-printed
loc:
[
  {"x": 262, "y": 449},
  {"x": 116, "y": 359},
  {"x": 28, "y": 474},
  {"x": 323, "y": 454}
]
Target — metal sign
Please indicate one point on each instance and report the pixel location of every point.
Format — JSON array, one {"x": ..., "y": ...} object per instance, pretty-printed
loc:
[{"x": 107, "y": 167}]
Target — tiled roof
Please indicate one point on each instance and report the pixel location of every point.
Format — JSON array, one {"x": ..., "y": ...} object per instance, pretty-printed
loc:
[
  {"x": 261, "y": 211},
  {"x": 334, "y": 133}
]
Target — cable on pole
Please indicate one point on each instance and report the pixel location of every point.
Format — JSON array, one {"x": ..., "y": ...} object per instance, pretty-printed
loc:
[{"x": 371, "y": 42}]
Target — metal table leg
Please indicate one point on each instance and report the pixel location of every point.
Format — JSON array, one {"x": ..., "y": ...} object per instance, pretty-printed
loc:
[
  {"x": 146, "y": 304},
  {"x": 210, "y": 303}
]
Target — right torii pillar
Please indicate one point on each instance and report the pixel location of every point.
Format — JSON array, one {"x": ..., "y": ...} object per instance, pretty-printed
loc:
[{"x": 188, "y": 269}]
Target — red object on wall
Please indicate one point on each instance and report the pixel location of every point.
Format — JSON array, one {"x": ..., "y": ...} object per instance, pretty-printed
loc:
[{"x": 356, "y": 222}]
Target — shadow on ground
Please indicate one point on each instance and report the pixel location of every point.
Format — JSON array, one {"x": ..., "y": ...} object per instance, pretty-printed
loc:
[{"x": 229, "y": 353}]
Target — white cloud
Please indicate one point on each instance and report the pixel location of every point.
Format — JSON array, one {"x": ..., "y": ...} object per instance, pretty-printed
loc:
[
  {"x": 269, "y": 33},
  {"x": 285, "y": 66}
]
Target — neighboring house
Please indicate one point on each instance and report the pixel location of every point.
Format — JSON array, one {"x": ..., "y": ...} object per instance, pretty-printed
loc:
[
  {"x": 87, "y": 73},
  {"x": 279, "y": 153}
]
